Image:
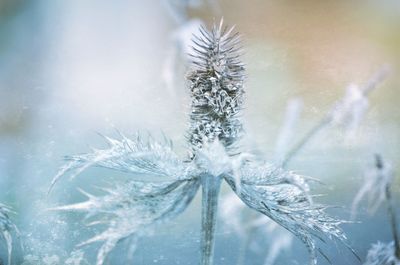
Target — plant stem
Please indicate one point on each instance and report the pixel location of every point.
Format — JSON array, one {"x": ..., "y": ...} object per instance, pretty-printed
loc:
[
  {"x": 307, "y": 137},
  {"x": 391, "y": 212},
  {"x": 210, "y": 190}
]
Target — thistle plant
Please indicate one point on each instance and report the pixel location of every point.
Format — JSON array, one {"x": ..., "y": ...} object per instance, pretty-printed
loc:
[
  {"x": 130, "y": 209},
  {"x": 7, "y": 228},
  {"x": 377, "y": 190}
]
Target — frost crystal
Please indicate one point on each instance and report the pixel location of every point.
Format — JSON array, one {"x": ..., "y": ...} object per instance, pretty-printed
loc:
[
  {"x": 129, "y": 209},
  {"x": 6, "y": 230},
  {"x": 382, "y": 254}
]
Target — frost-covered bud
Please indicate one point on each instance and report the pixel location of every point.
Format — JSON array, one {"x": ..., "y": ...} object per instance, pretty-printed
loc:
[{"x": 216, "y": 87}]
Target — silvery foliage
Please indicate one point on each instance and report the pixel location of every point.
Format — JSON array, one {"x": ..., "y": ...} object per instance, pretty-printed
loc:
[
  {"x": 247, "y": 226},
  {"x": 382, "y": 254},
  {"x": 130, "y": 209},
  {"x": 377, "y": 178},
  {"x": 7, "y": 228}
]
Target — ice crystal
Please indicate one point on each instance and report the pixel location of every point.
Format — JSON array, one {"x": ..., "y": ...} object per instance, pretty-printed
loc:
[
  {"x": 7, "y": 228},
  {"x": 382, "y": 254},
  {"x": 128, "y": 209},
  {"x": 376, "y": 180}
]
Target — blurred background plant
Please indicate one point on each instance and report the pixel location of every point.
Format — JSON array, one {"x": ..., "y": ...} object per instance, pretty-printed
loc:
[
  {"x": 377, "y": 189},
  {"x": 70, "y": 68}
]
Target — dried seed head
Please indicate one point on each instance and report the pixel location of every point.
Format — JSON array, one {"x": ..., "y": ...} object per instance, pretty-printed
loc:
[{"x": 216, "y": 87}]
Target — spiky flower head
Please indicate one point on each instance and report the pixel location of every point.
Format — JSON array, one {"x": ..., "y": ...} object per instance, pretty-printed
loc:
[{"x": 216, "y": 87}]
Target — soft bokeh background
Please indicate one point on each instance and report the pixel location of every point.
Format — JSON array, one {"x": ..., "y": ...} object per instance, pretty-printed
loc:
[{"x": 70, "y": 69}]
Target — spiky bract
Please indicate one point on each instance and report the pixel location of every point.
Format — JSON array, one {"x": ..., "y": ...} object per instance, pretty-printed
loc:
[
  {"x": 284, "y": 197},
  {"x": 130, "y": 208}
]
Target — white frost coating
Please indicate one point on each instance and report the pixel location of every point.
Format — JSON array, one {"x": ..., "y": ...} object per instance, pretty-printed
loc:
[
  {"x": 377, "y": 178},
  {"x": 142, "y": 155},
  {"x": 382, "y": 254}
]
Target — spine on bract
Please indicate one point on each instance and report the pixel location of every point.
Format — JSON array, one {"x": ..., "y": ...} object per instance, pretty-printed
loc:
[{"x": 216, "y": 87}]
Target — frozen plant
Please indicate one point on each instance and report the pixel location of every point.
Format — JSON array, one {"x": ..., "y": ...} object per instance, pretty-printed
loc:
[
  {"x": 376, "y": 185},
  {"x": 247, "y": 226},
  {"x": 7, "y": 228},
  {"x": 168, "y": 183},
  {"x": 382, "y": 254},
  {"x": 377, "y": 189}
]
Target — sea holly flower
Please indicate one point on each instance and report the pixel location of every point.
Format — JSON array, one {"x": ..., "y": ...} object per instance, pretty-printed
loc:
[
  {"x": 163, "y": 184},
  {"x": 7, "y": 228}
]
